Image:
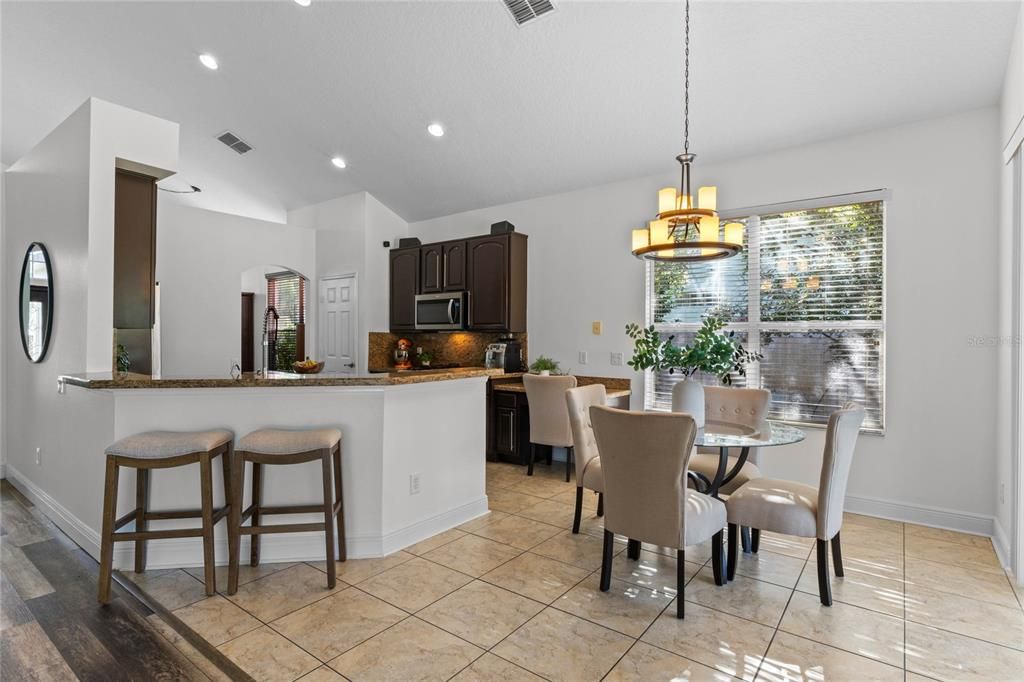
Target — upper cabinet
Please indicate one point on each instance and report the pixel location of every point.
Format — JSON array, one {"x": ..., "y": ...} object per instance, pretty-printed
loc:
[
  {"x": 491, "y": 269},
  {"x": 404, "y": 279},
  {"x": 496, "y": 283},
  {"x": 443, "y": 267}
]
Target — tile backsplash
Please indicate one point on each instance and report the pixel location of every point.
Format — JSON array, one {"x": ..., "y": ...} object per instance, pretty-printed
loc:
[{"x": 463, "y": 348}]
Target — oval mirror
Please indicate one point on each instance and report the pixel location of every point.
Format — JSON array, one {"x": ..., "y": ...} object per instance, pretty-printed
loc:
[{"x": 36, "y": 302}]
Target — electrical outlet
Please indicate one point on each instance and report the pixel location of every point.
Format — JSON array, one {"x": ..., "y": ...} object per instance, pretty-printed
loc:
[
  {"x": 583, "y": 357},
  {"x": 414, "y": 484},
  {"x": 616, "y": 359},
  {"x": 39, "y": 456},
  {"x": 595, "y": 327}
]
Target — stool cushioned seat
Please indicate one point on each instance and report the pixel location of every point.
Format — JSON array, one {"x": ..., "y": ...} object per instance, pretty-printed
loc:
[
  {"x": 159, "y": 444},
  {"x": 284, "y": 442}
]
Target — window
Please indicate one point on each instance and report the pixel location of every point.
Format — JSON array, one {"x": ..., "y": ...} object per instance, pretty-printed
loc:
[
  {"x": 286, "y": 292},
  {"x": 807, "y": 291}
]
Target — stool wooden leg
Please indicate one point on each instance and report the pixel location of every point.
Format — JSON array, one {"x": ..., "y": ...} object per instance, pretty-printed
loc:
[
  {"x": 339, "y": 498},
  {"x": 107, "y": 536},
  {"x": 235, "y": 519},
  {"x": 257, "y": 500},
  {"x": 206, "y": 492},
  {"x": 141, "y": 507},
  {"x": 328, "y": 519}
]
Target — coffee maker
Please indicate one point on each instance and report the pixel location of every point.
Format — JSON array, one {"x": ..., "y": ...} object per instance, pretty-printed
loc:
[{"x": 506, "y": 354}]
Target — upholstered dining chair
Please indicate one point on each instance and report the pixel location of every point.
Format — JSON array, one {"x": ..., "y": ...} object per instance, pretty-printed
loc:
[
  {"x": 746, "y": 406},
  {"x": 588, "y": 461},
  {"x": 796, "y": 509},
  {"x": 549, "y": 416},
  {"x": 644, "y": 457}
]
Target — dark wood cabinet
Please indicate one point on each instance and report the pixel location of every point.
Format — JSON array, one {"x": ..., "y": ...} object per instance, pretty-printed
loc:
[
  {"x": 496, "y": 283},
  {"x": 510, "y": 424},
  {"x": 404, "y": 280},
  {"x": 453, "y": 260},
  {"x": 134, "y": 267},
  {"x": 491, "y": 270},
  {"x": 248, "y": 332}
]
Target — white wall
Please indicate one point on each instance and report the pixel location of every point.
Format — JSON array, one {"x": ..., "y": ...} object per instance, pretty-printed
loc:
[
  {"x": 201, "y": 256},
  {"x": 349, "y": 235},
  {"x": 935, "y": 463}
]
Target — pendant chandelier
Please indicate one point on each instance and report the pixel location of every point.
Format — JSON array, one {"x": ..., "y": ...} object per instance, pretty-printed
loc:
[{"x": 684, "y": 231}]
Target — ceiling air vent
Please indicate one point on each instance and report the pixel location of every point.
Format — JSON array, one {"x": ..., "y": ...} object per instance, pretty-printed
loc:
[
  {"x": 528, "y": 10},
  {"x": 233, "y": 141}
]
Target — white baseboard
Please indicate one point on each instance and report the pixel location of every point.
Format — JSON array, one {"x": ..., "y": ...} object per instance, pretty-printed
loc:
[
  {"x": 1001, "y": 541},
  {"x": 286, "y": 547},
  {"x": 936, "y": 517}
]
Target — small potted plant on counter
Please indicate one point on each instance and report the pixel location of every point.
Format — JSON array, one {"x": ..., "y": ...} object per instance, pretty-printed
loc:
[
  {"x": 544, "y": 366},
  {"x": 425, "y": 358},
  {"x": 712, "y": 352}
]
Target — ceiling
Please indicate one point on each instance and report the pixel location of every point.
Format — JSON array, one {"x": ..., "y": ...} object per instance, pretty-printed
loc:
[{"x": 588, "y": 94}]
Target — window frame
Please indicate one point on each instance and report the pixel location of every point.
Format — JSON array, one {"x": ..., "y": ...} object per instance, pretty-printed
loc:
[{"x": 753, "y": 326}]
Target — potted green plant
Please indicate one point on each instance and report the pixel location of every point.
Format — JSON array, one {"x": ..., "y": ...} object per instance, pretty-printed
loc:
[
  {"x": 425, "y": 358},
  {"x": 712, "y": 352},
  {"x": 544, "y": 366}
]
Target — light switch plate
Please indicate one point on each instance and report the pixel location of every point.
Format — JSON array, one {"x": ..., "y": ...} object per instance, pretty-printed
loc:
[
  {"x": 616, "y": 359},
  {"x": 595, "y": 327},
  {"x": 583, "y": 357}
]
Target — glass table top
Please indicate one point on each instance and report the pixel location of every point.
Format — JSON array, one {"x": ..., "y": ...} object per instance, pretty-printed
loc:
[{"x": 717, "y": 434}]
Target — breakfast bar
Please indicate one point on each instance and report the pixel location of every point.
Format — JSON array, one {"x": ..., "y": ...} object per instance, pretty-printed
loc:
[{"x": 411, "y": 445}]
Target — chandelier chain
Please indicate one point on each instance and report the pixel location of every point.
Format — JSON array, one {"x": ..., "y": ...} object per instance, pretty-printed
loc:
[{"x": 686, "y": 85}]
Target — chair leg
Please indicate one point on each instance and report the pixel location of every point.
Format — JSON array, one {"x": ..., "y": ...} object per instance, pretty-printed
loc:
[
  {"x": 633, "y": 549},
  {"x": 339, "y": 498},
  {"x": 235, "y": 519},
  {"x": 680, "y": 580},
  {"x": 533, "y": 455},
  {"x": 600, "y": 504},
  {"x": 579, "y": 510},
  {"x": 745, "y": 538},
  {"x": 328, "y": 519},
  {"x": 257, "y": 500},
  {"x": 206, "y": 493},
  {"x": 716, "y": 558},
  {"x": 733, "y": 552},
  {"x": 606, "y": 560},
  {"x": 141, "y": 507},
  {"x": 568, "y": 462},
  {"x": 755, "y": 540},
  {"x": 824, "y": 588},
  {"x": 837, "y": 556},
  {"x": 107, "y": 536}
]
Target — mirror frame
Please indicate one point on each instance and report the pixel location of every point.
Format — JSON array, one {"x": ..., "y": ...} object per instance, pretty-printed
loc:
[{"x": 48, "y": 329}]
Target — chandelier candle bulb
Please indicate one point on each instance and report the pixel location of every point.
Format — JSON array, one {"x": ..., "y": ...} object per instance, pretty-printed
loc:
[
  {"x": 709, "y": 232},
  {"x": 707, "y": 197},
  {"x": 641, "y": 238},
  {"x": 685, "y": 202},
  {"x": 667, "y": 200},
  {"x": 734, "y": 233},
  {"x": 659, "y": 230}
]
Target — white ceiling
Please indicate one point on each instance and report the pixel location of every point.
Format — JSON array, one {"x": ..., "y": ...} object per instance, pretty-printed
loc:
[{"x": 586, "y": 95}]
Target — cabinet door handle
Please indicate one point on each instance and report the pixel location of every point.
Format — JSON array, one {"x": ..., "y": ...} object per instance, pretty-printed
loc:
[
  {"x": 511, "y": 429},
  {"x": 445, "y": 269}
]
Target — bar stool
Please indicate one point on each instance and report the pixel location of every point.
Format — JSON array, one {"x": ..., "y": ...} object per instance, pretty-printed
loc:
[
  {"x": 276, "y": 446},
  {"x": 162, "y": 450}
]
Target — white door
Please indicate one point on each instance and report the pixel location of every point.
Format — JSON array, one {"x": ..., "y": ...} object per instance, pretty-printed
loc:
[{"x": 338, "y": 323}]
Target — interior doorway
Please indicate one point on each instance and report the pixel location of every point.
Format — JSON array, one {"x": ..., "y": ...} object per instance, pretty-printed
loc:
[{"x": 338, "y": 323}]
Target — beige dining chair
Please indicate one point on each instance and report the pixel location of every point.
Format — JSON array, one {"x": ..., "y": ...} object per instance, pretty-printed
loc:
[
  {"x": 644, "y": 456},
  {"x": 797, "y": 509},
  {"x": 746, "y": 406},
  {"x": 588, "y": 460},
  {"x": 549, "y": 416}
]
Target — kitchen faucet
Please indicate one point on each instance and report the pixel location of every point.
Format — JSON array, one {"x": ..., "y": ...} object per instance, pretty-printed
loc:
[{"x": 270, "y": 318}]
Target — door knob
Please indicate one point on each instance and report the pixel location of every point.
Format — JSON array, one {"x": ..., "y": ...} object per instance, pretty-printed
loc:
[{"x": 351, "y": 364}]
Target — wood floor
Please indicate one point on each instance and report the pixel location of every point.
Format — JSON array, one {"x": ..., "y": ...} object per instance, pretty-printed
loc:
[{"x": 51, "y": 627}]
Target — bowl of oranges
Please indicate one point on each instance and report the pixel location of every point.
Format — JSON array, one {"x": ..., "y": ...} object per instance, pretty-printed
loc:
[{"x": 308, "y": 366}]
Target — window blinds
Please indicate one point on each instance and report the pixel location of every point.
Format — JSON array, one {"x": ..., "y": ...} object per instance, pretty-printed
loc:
[
  {"x": 807, "y": 292},
  {"x": 286, "y": 292}
]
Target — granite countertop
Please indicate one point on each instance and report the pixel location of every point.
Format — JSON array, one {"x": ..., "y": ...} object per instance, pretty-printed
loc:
[
  {"x": 109, "y": 380},
  {"x": 517, "y": 387}
]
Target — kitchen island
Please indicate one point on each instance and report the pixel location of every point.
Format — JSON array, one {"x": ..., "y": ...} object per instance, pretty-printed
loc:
[{"x": 412, "y": 453}]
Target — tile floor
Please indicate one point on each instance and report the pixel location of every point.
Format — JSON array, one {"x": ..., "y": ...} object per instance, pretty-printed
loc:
[{"x": 514, "y": 596}]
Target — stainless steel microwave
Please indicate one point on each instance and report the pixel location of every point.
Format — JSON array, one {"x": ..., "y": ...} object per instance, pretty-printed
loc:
[{"x": 439, "y": 312}]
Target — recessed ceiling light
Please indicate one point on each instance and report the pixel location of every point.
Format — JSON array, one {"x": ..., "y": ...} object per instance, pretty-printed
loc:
[
  {"x": 209, "y": 61},
  {"x": 303, "y": 3},
  {"x": 337, "y": 160},
  {"x": 435, "y": 129}
]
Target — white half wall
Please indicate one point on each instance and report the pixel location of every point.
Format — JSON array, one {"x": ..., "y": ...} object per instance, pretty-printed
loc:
[
  {"x": 936, "y": 461},
  {"x": 201, "y": 256}
]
